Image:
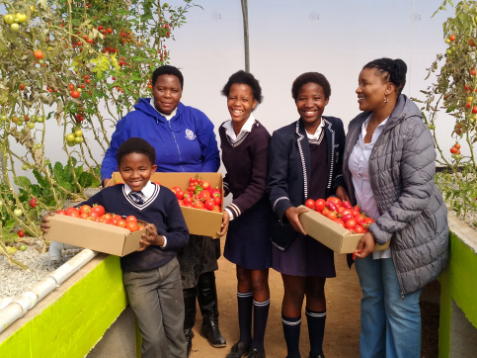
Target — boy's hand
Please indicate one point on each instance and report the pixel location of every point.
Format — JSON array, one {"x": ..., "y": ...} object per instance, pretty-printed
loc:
[
  {"x": 225, "y": 224},
  {"x": 365, "y": 246},
  {"x": 44, "y": 226},
  {"x": 151, "y": 237}
]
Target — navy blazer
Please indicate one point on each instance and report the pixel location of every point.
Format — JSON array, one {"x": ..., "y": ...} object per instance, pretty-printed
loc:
[{"x": 289, "y": 172}]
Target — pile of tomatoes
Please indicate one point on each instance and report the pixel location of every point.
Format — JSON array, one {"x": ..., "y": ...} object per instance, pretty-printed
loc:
[
  {"x": 199, "y": 195},
  {"x": 342, "y": 213},
  {"x": 97, "y": 213}
]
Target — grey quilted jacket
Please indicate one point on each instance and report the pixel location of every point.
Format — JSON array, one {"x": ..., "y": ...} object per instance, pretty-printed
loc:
[{"x": 413, "y": 212}]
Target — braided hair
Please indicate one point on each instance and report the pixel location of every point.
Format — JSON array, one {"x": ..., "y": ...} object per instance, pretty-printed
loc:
[{"x": 393, "y": 71}]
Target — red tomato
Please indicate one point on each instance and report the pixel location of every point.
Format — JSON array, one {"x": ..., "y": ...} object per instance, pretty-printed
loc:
[
  {"x": 346, "y": 217},
  {"x": 192, "y": 180},
  {"x": 69, "y": 210},
  {"x": 75, "y": 94},
  {"x": 310, "y": 204},
  {"x": 350, "y": 224},
  {"x": 367, "y": 222},
  {"x": 132, "y": 226},
  {"x": 187, "y": 200},
  {"x": 198, "y": 180},
  {"x": 204, "y": 195},
  {"x": 216, "y": 209},
  {"x": 121, "y": 223},
  {"x": 61, "y": 212},
  {"x": 217, "y": 200},
  {"x": 85, "y": 209},
  {"x": 179, "y": 194},
  {"x": 116, "y": 219},
  {"x": 358, "y": 229},
  {"x": 339, "y": 222},
  {"x": 325, "y": 211},
  {"x": 20, "y": 233},
  {"x": 131, "y": 218},
  {"x": 181, "y": 202},
  {"x": 141, "y": 227},
  {"x": 359, "y": 219},
  {"x": 107, "y": 217},
  {"x": 198, "y": 204},
  {"x": 209, "y": 204},
  {"x": 346, "y": 204},
  {"x": 175, "y": 188},
  {"x": 320, "y": 205},
  {"x": 357, "y": 208},
  {"x": 74, "y": 214},
  {"x": 156, "y": 182},
  {"x": 99, "y": 209},
  {"x": 84, "y": 215},
  {"x": 334, "y": 200},
  {"x": 332, "y": 215},
  {"x": 205, "y": 185},
  {"x": 332, "y": 206},
  {"x": 71, "y": 87}
]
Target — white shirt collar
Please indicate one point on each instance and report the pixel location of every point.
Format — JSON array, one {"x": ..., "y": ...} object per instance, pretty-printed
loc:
[
  {"x": 147, "y": 191},
  {"x": 247, "y": 128},
  {"x": 318, "y": 131},
  {"x": 366, "y": 122},
  {"x": 166, "y": 116}
]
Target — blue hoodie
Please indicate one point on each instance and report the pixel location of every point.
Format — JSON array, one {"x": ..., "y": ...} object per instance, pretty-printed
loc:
[{"x": 186, "y": 143}]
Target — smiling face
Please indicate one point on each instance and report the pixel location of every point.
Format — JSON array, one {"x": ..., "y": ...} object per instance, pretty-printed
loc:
[
  {"x": 136, "y": 170},
  {"x": 372, "y": 90},
  {"x": 240, "y": 102},
  {"x": 311, "y": 103},
  {"x": 167, "y": 93}
]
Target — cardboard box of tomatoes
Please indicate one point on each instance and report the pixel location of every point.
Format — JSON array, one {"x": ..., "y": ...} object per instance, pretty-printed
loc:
[
  {"x": 202, "y": 214},
  {"x": 98, "y": 236},
  {"x": 326, "y": 223}
]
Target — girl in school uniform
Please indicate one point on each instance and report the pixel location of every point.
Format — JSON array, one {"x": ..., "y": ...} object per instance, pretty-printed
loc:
[
  {"x": 305, "y": 160},
  {"x": 244, "y": 144}
]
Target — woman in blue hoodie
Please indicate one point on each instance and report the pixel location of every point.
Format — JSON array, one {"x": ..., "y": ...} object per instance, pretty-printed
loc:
[{"x": 184, "y": 140}]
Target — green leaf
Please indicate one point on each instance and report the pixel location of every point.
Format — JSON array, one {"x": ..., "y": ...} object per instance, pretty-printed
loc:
[
  {"x": 66, "y": 185},
  {"x": 24, "y": 182},
  {"x": 9, "y": 225},
  {"x": 42, "y": 181},
  {"x": 58, "y": 172}
]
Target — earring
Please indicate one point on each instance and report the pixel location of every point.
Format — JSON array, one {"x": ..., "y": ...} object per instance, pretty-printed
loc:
[{"x": 385, "y": 99}]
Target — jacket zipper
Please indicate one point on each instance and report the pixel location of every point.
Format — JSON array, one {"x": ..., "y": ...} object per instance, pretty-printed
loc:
[
  {"x": 398, "y": 276},
  {"x": 179, "y": 150}
]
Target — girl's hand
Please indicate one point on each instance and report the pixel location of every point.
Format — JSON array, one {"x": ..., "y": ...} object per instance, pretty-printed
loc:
[
  {"x": 151, "y": 237},
  {"x": 292, "y": 216},
  {"x": 225, "y": 224},
  {"x": 44, "y": 226},
  {"x": 342, "y": 194},
  {"x": 365, "y": 246}
]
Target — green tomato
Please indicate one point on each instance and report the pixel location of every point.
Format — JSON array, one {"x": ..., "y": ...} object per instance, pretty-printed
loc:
[
  {"x": 24, "y": 167},
  {"x": 9, "y": 19},
  {"x": 79, "y": 140},
  {"x": 3, "y": 118},
  {"x": 20, "y": 123},
  {"x": 1, "y": 203},
  {"x": 78, "y": 133},
  {"x": 23, "y": 247},
  {"x": 41, "y": 62},
  {"x": 449, "y": 52},
  {"x": 448, "y": 41},
  {"x": 30, "y": 125},
  {"x": 71, "y": 144},
  {"x": 79, "y": 90},
  {"x": 11, "y": 250},
  {"x": 38, "y": 145},
  {"x": 17, "y": 212},
  {"x": 21, "y": 18},
  {"x": 33, "y": 119},
  {"x": 15, "y": 27},
  {"x": 471, "y": 120},
  {"x": 40, "y": 119},
  {"x": 70, "y": 137}
]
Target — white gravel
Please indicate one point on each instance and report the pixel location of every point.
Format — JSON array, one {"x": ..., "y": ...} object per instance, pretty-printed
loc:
[{"x": 14, "y": 280}]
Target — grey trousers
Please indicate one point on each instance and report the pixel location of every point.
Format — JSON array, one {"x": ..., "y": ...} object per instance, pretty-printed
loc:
[{"x": 157, "y": 301}]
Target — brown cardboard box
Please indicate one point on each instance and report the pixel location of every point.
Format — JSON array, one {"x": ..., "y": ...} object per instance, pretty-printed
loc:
[
  {"x": 92, "y": 235},
  {"x": 330, "y": 234},
  {"x": 199, "y": 222}
]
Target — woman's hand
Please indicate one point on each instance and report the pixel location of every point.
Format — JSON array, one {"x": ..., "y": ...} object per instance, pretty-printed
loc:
[
  {"x": 44, "y": 226},
  {"x": 342, "y": 194},
  {"x": 292, "y": 216},
  {"x": 151, "y": 237},
  {"x": 365, "y": 246},
  {"x": 225, "y": 224}
]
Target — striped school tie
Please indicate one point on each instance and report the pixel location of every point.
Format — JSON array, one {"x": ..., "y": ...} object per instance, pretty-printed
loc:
[{"x": 136, "y": 196}]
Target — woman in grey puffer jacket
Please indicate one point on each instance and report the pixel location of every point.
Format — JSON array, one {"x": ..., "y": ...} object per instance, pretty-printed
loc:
[{"x": 389, "y": 171}]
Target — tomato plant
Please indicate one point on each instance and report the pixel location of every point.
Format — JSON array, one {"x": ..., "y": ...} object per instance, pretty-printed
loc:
[{"x": 454, "y": 91}]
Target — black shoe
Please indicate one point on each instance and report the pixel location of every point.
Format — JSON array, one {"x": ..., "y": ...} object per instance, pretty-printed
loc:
[
  {"x": 318, "y": 356},
  {"x": 210, "y": 330},
  {"x": 207, "y": 295},
  {"x": 189, "y": 345},
  {"x": 239, "y": 350},
  {"x": 255, "y": 353}
]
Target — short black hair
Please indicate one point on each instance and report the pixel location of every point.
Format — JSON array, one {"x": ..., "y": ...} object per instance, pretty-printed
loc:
[
  {"x": 245, "y": 78},
  {"x": 136, "y": 145},
  {"x": 311, "y": 77},
  {"x": 167, "y": 70},
  {"x": 391, "y": 70}
]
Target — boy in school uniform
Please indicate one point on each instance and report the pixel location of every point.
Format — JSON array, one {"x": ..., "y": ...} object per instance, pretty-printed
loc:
[{"x": 151, "y": 275}]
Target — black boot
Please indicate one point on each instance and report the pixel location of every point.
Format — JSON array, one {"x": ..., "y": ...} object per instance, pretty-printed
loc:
[
  {"x": 189, "y": 319},
  {"x": 207, "y": 295}
]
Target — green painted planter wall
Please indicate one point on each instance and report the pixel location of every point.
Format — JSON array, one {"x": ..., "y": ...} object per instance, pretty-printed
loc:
[
  {"x": 458, "y": 283},
  {"x": 76, "y": 321}
]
